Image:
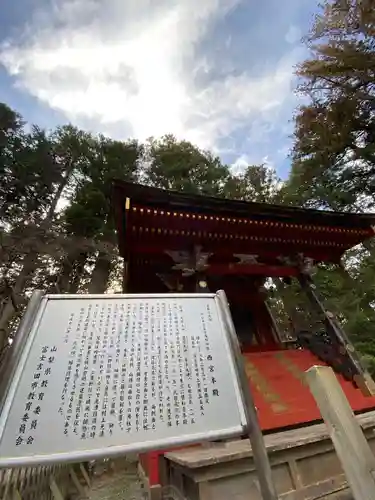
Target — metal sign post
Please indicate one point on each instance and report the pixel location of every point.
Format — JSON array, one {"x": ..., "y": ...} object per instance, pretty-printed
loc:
[
  {"x": 253, "y": 429},
  {"x": 8, "y": 368}
]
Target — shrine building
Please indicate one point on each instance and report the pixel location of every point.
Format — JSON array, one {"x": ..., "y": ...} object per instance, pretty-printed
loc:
[{"x": 178, "y": 242}]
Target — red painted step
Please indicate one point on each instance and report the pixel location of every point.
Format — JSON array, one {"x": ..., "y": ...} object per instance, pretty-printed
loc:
[{"x": 282, "y": 399}]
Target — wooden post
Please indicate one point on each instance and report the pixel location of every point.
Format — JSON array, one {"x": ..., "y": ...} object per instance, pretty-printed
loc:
[
  {"x": 16, "y": 495},
  {"x": 350, "y": 443},
  {"x": 85, "y": 474},
  {"x": 79, "y": 487},
  {"x": 56, "y": 492}
]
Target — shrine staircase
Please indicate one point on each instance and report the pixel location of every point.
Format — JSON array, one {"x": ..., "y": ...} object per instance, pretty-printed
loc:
[{"x": 280, "y": 394}]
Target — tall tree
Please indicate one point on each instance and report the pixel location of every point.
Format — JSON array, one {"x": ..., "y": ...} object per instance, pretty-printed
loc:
[
  {"x": 181, "y": 166},
  {"x": 40, "y": 169},
  {"x": 334, "y": 151},
  {"x": 333, "y": 159},
  {"x": 89, "y": 214},
  {"x": 257, "y": 183},
  {"x": 28, "y": 173}
]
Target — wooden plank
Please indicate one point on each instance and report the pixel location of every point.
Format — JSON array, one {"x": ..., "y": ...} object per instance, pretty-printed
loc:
[
  {"x": 85, "y": 474},
  {"x": 6, "y": 482},
  {"x": 295, "y": 474},
  {"x": 251, "y": 269},
  {"x": 205, "y": 491},
  {"x": 80, "y": 488},
  {"x": 349, "y": 441},
  {"x": 337, "y": 486},
  {"x": 195, "y": 457},
  {"x": 16, "y": 495},
  {"x": 56, "y": 493}
]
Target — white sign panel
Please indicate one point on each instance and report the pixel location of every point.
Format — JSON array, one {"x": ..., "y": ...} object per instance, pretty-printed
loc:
[{"x": 102, "y": 375}]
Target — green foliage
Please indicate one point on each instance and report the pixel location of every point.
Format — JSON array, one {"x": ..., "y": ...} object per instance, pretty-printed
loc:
[
  {"x": 28, "y": 174},
  {"x": 333, "y": 159},
  {"x": 180, "y": 166},
  {"x": 257, "y": 183},
  {"x": 55, "y": 206},
  {"x": 334, "y": 149}
]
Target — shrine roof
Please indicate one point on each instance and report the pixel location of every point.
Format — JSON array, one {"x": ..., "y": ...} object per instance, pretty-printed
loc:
[{"x": 150, "y": 212}]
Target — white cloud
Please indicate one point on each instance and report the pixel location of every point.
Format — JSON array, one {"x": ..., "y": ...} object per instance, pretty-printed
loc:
[
  {"x": 130, "y": 66},
  {"x": 240, "y": 164},
  {"x": 293, "y": 35},
  {"x": 244, "y": 160}
]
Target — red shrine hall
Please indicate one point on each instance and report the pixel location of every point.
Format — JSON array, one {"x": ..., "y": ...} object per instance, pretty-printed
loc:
[{"x": 177, "y": 242}]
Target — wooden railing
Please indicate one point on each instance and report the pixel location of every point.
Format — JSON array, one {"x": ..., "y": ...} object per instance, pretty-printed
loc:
[{"x": 57, "y": 482}]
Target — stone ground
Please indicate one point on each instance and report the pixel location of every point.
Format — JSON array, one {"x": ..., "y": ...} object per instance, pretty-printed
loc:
[{"x": 122, "y": 484}]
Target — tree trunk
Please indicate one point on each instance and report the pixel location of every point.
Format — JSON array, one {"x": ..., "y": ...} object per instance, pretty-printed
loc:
[
  {"x": 79, "y": 266},
  {"x": 8, "y": 311},
  {"x": 66, "y": 273},
  {"x": 100, "y": 274},
  {"x": 62, "y": 284},
  {"x": 56, "y": 198},
  {"x": 30, "y": 261}
]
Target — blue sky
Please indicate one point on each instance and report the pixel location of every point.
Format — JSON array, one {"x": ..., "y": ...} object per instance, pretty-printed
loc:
[{"x": 216, "y": 72}]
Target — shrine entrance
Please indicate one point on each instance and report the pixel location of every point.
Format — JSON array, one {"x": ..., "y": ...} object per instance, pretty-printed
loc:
[{"x": 174, "y": 242}]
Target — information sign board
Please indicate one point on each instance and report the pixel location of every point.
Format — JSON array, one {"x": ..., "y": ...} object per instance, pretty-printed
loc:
[{"x": 108, "y": 374}]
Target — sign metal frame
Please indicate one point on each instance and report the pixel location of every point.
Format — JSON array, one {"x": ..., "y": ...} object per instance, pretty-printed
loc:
[{"x": 20, "y": 351}]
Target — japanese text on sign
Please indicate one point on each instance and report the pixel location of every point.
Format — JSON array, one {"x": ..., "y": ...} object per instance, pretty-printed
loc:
[{"x": 123, "y": 371}]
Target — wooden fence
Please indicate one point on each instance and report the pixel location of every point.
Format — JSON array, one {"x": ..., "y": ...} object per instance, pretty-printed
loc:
[{"x": 56, "y": 482}]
